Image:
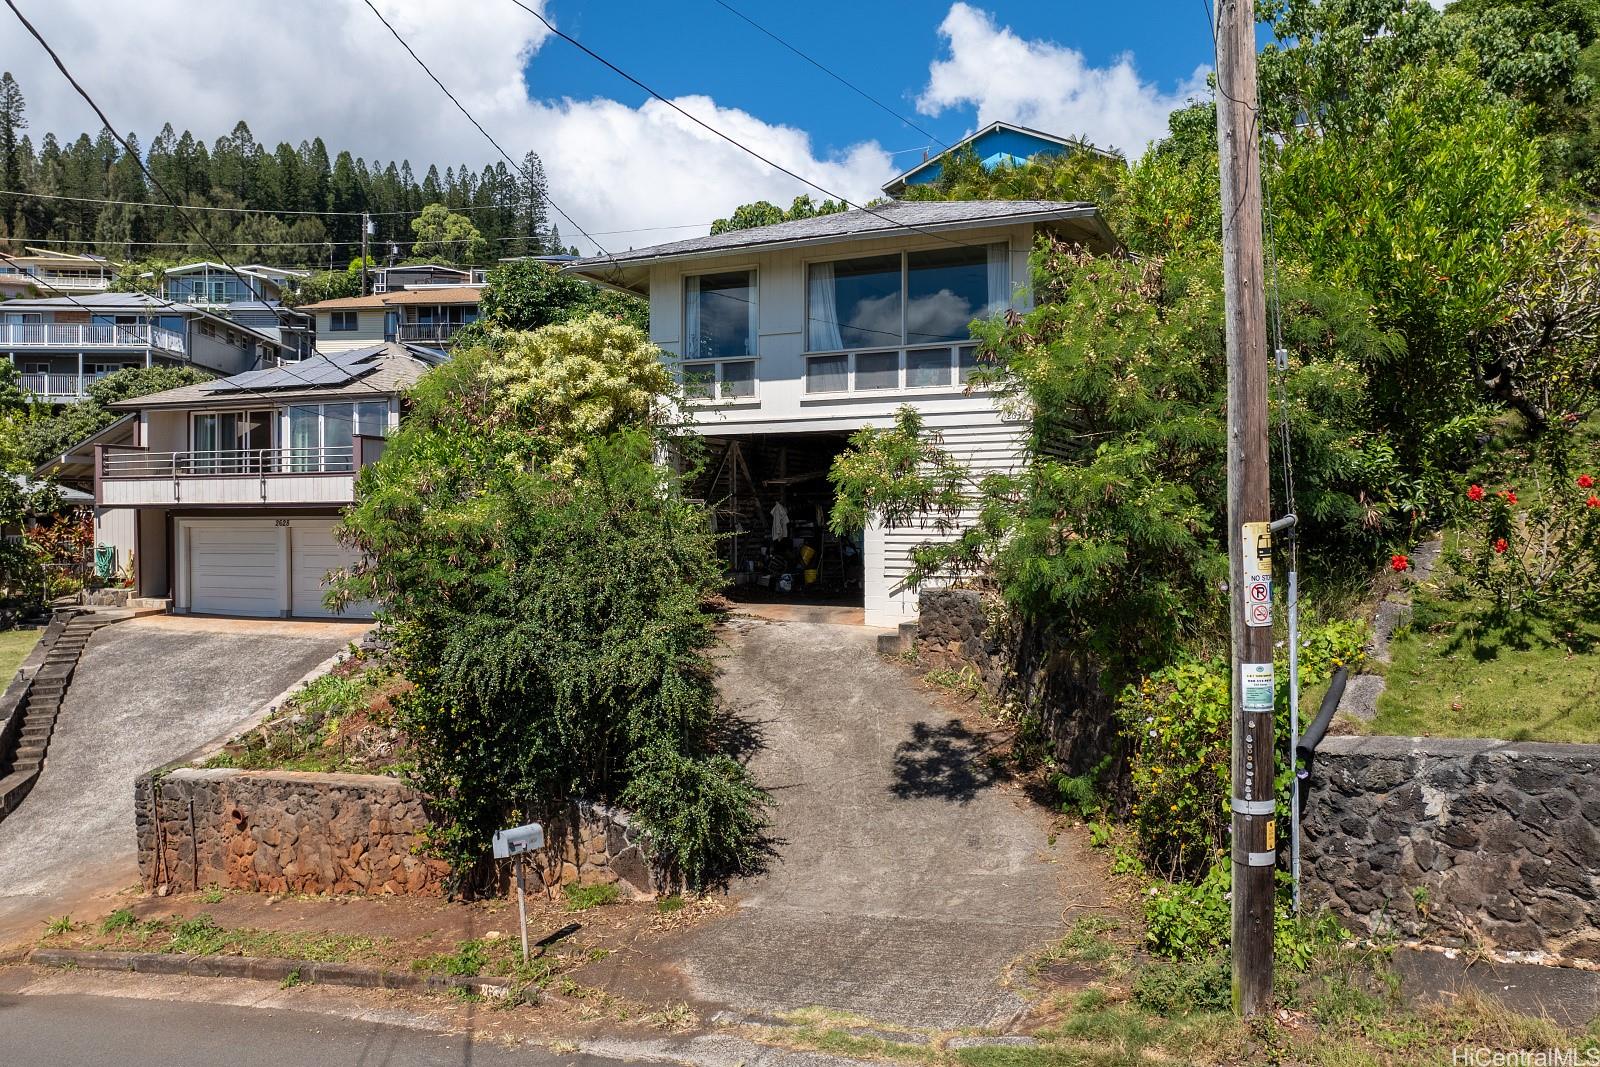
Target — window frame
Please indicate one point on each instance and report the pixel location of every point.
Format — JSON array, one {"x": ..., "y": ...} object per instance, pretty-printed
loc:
[
  {"x": 755, "y": 312},
  {"x": 335, "y": 317},
  {"x": 717, "y": 379},
  {"x": 905, "y": 286}
]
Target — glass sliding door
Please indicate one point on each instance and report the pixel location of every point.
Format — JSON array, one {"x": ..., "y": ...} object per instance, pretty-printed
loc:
[
  {"x": 305, "y": 438},
  {"x": 338, "y": 424}
]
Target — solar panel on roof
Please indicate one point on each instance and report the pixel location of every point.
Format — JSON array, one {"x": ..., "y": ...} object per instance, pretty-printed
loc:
[{"x": 316, "y": 372}]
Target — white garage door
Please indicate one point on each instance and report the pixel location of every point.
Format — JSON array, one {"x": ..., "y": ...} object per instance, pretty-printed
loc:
[
  {"x": 233, "y": 568},
  {"x": 313, "y": 552},
  {"x": 264, "y": 567}
]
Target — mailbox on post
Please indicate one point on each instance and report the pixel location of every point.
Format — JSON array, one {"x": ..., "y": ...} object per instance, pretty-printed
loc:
[
  {"x": 515, "y": 844},
  {"x": 518, "y": 840}
]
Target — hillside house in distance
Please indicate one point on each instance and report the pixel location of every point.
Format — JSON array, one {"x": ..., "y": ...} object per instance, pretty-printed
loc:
[
  {"x": 791, "y": 337},
  {"x": 63, "y": 344},
  {"x": 424, "y": 316},
  {"x": 425, "y": 275},
  {"x": 59, "y": 273},
  {"x": 999, "y": 143}
]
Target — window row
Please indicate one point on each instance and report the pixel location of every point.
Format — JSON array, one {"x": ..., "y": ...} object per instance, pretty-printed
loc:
[
  {"x": 320, "y": 437},
  {"x": 899, "y": 299},
  {"x": 731, "y": 379},
  {"x": 896, "y": 369}
]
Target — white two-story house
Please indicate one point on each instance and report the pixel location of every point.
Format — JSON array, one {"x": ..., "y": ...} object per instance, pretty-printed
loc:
[
  {"x": 222, "y": 497},
  {"x": 791, "y": 337}
]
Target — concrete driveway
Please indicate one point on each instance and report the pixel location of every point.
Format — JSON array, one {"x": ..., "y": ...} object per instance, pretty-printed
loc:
[
  {"x": 908, "y": 873},
  {"x": 146, "y": 691}
]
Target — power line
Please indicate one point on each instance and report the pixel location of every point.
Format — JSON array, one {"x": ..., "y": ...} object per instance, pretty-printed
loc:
[
  {"x": 712, "y": 129},
  {"x": 462, "y": 210},
  {"x": 279, "y": 312},
  {"x": 478, "y": 125},
  {"x": 835, "y": 75}
]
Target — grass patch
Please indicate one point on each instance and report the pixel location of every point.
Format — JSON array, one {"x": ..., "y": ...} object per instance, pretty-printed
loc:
[
  {"x": 15, "y": 644},
  {"x": 671, "y": 905},
  {"x": 584, "y": 897},
  {"x": 1454, "y": 675},
  {"x": 341, "y": 722}
]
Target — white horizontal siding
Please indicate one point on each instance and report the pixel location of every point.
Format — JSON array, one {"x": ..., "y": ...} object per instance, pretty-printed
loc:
[
  {"x": 985, "y": 446},
  {"x": 117, "y": 527}
]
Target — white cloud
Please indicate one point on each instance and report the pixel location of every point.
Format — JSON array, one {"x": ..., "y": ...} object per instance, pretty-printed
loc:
[
  {"x": 299, "y": 68},
  {"x": 1048, "y": 86}
]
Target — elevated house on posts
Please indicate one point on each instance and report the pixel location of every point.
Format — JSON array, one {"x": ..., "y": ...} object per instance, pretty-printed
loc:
[{"x": 791, "y": 337}]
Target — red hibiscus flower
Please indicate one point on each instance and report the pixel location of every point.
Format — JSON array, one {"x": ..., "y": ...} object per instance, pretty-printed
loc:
[
  {"x": 1398, "y": 562},
  {"x": 1585, "y": 481},
  {"x": 1500, "y": 545},
  {"x": 1475, "y": 492},
  {"x": 1509, "y": 496},
  {"x": 1593, "y": 501}
]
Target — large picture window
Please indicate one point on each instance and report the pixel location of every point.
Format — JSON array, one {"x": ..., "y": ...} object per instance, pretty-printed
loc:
[
  {"x": 231, "y": 442},
  {"x": 915, "y": 298},
  {"x": 719, "y": 315}
]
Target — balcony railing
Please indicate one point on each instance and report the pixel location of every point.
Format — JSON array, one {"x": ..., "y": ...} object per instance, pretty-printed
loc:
[
  {"x": 58, "y": 387},
  {"x": 80, "y": 335},
  {"x": 430, "y": 331},
  {"x": 342, "y": 459}
]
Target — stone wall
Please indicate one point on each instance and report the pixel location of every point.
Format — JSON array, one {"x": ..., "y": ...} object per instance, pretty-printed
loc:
[
  {"x": 1025, "y": 671},
  {"x": 286, "y": 831},
  {"x": 1465, "y": 842}
]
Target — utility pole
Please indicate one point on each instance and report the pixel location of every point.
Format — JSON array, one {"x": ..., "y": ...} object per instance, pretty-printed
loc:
[
  {"x": 1249, "y": 504},
  {"x": 366, "y": 230}
]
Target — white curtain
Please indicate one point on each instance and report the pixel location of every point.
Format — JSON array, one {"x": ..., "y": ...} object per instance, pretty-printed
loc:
[
  {"x": 999, "y": 279},
  {"x": 824, "y": 313},
  {"x": 691, "y": 316}
]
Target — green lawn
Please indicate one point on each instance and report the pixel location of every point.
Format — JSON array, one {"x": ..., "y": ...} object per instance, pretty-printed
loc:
[
  {"x": 14, "y": 648},
  {"x": 1454, "y": 677}
]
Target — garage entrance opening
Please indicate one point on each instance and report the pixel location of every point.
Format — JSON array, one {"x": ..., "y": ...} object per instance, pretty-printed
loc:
[{"x": 769, "y": 499}]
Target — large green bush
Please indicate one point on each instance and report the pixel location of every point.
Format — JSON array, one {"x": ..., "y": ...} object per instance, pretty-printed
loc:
[
  {"x": 1178, "y": 721},
  {"x": 545, "y": 583}
]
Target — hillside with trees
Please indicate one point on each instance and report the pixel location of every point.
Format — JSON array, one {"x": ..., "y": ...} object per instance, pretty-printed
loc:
[{"x": 298, "y": 205}]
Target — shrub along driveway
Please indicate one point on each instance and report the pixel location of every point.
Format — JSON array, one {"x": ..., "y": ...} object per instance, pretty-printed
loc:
[
  {"x": 145, "y": 692},
  {"x": 908, "y": 874}
]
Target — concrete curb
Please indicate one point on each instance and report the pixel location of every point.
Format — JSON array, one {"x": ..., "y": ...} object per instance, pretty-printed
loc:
[{"x": 266, "y": 969}]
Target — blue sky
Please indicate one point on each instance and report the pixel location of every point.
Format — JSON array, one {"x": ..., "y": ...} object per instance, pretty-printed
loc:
[
  {"x": 698, "y": 47},
  {"x": 626, "y": 167}
]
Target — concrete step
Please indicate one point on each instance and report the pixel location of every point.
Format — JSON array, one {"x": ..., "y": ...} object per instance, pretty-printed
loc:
[
  {"x": 15, "y": 786},
  {"x": 26, "y": 753},
  {"x": 52, "y": 690}
]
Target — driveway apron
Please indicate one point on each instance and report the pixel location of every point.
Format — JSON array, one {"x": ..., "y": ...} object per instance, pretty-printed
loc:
[{"x": 908, "y": 873}]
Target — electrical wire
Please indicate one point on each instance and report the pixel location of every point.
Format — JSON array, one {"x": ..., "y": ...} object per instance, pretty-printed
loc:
[
  {"x": 479, "y": 126},
  {"x": 835, "y": 75},
  {"x": 279, "y": 312},
  {"x": 597, "y": 57}
]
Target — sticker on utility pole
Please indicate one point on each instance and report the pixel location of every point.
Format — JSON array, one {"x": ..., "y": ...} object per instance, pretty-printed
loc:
[
  {"x": 1255, "y": 544},
  {"x": 1255, "y": 687}
]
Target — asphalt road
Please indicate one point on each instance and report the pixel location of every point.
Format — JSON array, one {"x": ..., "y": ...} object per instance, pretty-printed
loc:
[{"x": 86, "y": 1031}]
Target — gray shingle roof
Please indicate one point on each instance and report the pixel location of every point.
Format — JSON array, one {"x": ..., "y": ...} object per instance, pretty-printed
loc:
[
  {"x": 905, "y": 216},
  {"x": 381, "y": 370}
]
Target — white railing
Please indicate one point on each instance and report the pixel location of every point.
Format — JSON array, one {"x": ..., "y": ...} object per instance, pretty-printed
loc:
[
  {"x": 58, "y": 386},
  {"x": 430, "y": 331},
  {"x": 246, "y": 461},
  {"x": 88, "y": 335},
  {"x": 52, "y": 280}
]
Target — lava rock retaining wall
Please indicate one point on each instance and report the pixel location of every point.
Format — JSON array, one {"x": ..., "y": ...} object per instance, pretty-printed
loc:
[
  {"x": 1464, "y": 842},
  {"x": 1028, "y": 673},
  {"x": 286, "y": 831}
]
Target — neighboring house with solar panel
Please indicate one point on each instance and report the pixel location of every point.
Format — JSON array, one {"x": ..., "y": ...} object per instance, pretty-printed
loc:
[
  {"x": 791, "y": 337},
  {"x": 62, "y": 344},
  {"x": 427, "y": 315},
  {"x": 222, "y": 497}
]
